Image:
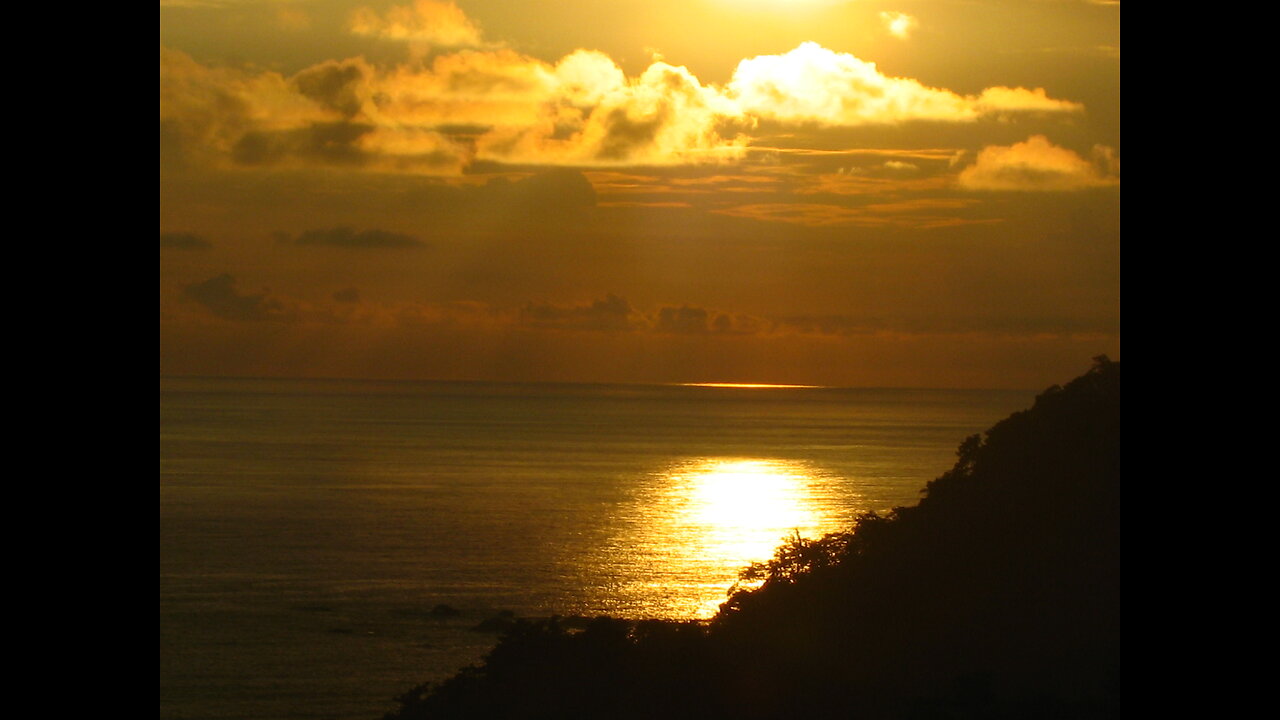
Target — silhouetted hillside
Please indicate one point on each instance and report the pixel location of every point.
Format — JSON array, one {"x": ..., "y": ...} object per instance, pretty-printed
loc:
[{"x": 997, "y": 596}]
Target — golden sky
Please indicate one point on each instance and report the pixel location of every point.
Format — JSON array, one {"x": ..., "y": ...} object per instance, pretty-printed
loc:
[{"x": 820, "y": 192}]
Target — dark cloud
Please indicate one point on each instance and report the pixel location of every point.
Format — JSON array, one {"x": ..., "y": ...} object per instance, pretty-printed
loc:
[
  {"x": 335, "y": 85},
  {"x": 347, "y": 295},
  {"x": 346, "y": 237},
  {"x": 1012, "y": 326},
  {"x": 208, "y": 113},
  {"x": 684, "y": 319},
  {"x": 611, "y": 313},
  {"x": 199, "y": 114},
  {"x": 332, "y": 143},
  {"x": 625, "y": 136},
  {"x": 832, "y": 324},
  {"x": 219, "y": 296},
  {"x": 184, "y": 241},
  {"x": 178, "y": 149},
  {"x": 552, "y": 190},
  {"x": 689, "y": 320}
]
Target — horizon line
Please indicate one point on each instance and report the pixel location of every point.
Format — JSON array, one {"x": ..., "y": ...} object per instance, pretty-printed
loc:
[
  {"x": 758, "y": 386},
  {"x": 643, "y": 383}
]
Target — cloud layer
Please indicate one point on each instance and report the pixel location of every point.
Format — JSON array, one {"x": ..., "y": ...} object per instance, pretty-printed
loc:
[
  {"x": 184, "y": 241},
  {"x": 346, "y": 237},
  {"x": 439, "y": 112},
  {"x": 424, "y": 21},
  {"x": 219, "y": 296}
]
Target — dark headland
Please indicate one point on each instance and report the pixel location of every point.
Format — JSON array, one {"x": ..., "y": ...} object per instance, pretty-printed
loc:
[{"x": 997, "y": 596}]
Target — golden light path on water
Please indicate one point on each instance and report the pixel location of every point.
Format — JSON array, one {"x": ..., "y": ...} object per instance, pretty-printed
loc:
[{"x": 684, "y": 540}]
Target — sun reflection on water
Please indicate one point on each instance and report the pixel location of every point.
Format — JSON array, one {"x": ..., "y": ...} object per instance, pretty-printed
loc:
[
  {"x": 701, "y": 521},
  {"x": 735, "y": 510}
]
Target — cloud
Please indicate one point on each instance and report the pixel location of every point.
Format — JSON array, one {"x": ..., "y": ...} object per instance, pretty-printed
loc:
[
  {"x": 940, "y": 324},
  {"x": 684, "y": 319},
  {"x": 346, "y": 237},
  {"x": 480, "y": 88},
  {"x": 1105, "y": 158},
  {"x": 610, "y": 314},
  {"x": 217, "y": 116},
  {"x": 814, "y": 84},
  {"x": 431, "y": 22},
  {"x": 1038, "y": 165},
  {"x": 338, "y": 86},
  {"x": 665, "y": 115},
  {"x": 1004, "y": 100},
  {"x": 551, "y": 191},
  {"x": 888, "y": 178},
  {"x": 693, "y": 320},
  {"x": 293, "y": 18},
  {"x": 898, "y": 24},
  {"x": 831, "y": 325},
  {"x": 591, "y": 114},
  {"x": 614, "y": 314},
  {"x": 921, "y": 213},
  {"x": 817, "y": 85},
  {"x": 184, "y": 241},
  {"x": 496, "y": 105},
  {"x": 219, "y": 296},
  {"x": 347, "y": 295},
  {"x": 325, "y": 143}
]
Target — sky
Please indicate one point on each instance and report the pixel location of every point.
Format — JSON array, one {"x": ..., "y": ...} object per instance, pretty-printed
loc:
[{"x": 914, "y": 193}]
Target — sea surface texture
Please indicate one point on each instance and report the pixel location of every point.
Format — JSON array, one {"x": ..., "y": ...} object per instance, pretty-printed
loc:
[{"x": 309, "y": 530}]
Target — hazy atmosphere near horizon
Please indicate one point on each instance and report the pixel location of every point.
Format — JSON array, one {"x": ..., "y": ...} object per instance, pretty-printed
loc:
[{"x": 863, "y": 193}]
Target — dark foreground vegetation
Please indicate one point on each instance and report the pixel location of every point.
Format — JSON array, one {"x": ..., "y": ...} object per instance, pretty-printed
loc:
[{"x": 997, "y": 596}]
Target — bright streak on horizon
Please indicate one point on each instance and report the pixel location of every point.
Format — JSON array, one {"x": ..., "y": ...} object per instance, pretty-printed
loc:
[{"x": 746, "y": 385}]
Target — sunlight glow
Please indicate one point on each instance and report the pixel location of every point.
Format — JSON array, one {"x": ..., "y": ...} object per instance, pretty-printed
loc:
[
  {"x": 681, "y": 544},
  {"x": 723, "y": 514},
  {"x": 745, "y": 385},
  {"x": 732, "y": 499},
  {"x": 781, "y": 6},
  {"x": 898, "y": 24}
]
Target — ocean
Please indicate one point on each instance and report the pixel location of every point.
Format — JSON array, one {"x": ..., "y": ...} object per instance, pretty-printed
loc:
[{"x": 312, "y": 530}]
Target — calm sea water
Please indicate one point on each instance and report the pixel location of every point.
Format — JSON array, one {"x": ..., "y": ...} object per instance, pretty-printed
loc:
[{"x": 307, "y": 528}]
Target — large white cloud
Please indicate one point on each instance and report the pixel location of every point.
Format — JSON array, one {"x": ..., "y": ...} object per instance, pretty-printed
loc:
[{"x": 814, "y": 84}]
